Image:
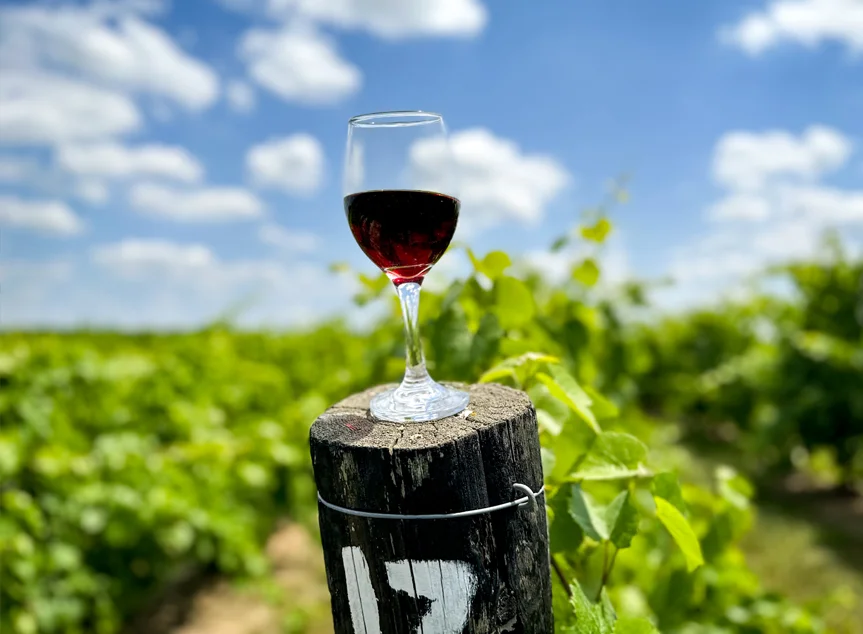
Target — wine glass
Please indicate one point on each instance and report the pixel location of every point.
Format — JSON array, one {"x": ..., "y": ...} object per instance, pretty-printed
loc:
[{"x": 401, "y": 209}]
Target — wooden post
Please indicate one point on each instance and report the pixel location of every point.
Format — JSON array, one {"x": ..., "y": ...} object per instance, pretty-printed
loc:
[{"x": 484, "y": 574}]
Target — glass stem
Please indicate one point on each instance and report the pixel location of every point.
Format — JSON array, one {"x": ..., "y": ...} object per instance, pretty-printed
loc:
[{"x": 409, "y": 295}]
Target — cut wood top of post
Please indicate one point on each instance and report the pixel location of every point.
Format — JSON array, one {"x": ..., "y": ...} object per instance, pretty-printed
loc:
[{"x": 349, "y": 422}]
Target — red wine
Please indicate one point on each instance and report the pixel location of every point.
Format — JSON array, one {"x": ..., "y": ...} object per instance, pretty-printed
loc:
[{"x": 404, "y": 232}]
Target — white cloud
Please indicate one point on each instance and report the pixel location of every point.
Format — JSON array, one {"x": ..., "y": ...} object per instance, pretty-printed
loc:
[
  {"x": 240, "y": 96},
  {"x": 739, "y": 253},
  {"x": 825, "y": 205},
  {"x": 299, "y": 65},
  {"x": 29, "y": 173},
  {"x": 807, "y": 22},
  {"x": 748, "y": 160},
  {"x": 294, "y": 164},
  {"x": 112, "y": 160},
  {"x": 162, "y": 283},
  {"x": 210, "y": 204},
  {"x": 289, "y": 239},
  {"x": 38, "y": 108},
  {"x": 391, "y": 18},
  {"x": 784, "y": 223},
  {"x": 49, "y": 217},
  {"x": 93, "y": 191},
  {"x": 110, "y": 46},
  {"x": 494, "y": 179},
  {"x": 740, "y": 207},
  {"x": 134, "y": 256},
  {"x": 776, "y": 209}
]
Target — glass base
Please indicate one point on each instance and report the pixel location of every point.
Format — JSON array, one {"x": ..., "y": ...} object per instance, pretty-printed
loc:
[{"x": 417, "y": 402}]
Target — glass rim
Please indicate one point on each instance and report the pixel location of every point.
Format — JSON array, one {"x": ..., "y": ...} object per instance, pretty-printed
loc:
[{"x": 395, "y": 119}]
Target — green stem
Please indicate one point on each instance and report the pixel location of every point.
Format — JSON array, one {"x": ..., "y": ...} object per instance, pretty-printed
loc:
[
  {"x": 559, "y": 571},
  {"x": 607, "y": 567}
]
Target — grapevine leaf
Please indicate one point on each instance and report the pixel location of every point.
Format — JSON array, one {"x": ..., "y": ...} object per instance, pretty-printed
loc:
[
  {"x": 564, "y": 533},
  {"x": 548, "y": 423},
  {"x": 733, "y": 487},
  {"x": 591, "y": 618},
  {"x": 612, "y": 456},
  {"x": 548, "y": 459},
  {"x": 588, "y": 514},
  {"x": 453, "y": 293},
  {"x": 513, "y": 302},
  {"x": 586, "y": 273},
  {"x": 508, "y": 367},
  {"x": 559, "y": 243},
  {"x": 374, "y": 284},
  {"x": 486, "y": 341},
  {"x": 680, "y": 529},
  {"x": 451, "y": 339},
  {"x": 497, "y": 373},
  {"x": 667, "y": 486},
  {"x": 629, "y": 625},
  {"x": 562, "y": 386},
  {"x": 621, "y": 517},
  {"x": 598, "y": 232},
  {"x": 477, "y": 265},
  {"x": 495, "y": 263},
  {"x": 602, "y": 408}
]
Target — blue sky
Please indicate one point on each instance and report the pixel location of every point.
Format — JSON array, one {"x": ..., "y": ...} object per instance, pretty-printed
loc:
[{"x": 161, "y": 161}]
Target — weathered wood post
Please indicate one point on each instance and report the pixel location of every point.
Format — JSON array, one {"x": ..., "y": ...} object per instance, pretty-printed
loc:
[{"x": 482, "y": 573}]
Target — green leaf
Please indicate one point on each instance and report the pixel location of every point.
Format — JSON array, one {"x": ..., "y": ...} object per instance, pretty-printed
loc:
[
  {"x": 667, "y": 486},
  {"x": 564, "y": 533},
  {"x": 602, "y": 408},
  {"x": 679, "y": 528},
  {"x": 629, "y": 625},
  {"x": 548, "y": 459},
  {"x": 548, "y": 423},
  {"x": 733, "y": 487},
  {"x": 588, "y": 514},
  {"x": 477, "y": 265},
  {"x": 497, "y": 373},
  {"x": 621, "y": 517},
  {"x": 513, "y": 302},
  {"x": 451, "y": 340},
  {"x": 586, "y": 273},
  {"x": 617, "y": 522},
  {"x": 559, "y": 243},
  {"x": 591, "y": 618},
  {"x": 598, "y": 232},
  {"x": 486, "y": 341},
  {"x": 495, "y": 263},
  {"x": 508, "y": 367},
  {"x": 453, "y": 293},
  {"x": 612, "y": 456},
  {"x": 374, "y": 284},
  {"x": 562, "y": 386}
]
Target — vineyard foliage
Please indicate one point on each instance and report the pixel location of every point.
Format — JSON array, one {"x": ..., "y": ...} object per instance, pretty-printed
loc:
[
  {"x": 125, "y": 459},
  {"x": 780, "y": 377}
]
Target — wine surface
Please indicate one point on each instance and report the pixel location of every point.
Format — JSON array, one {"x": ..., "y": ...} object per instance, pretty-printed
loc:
[{"x": 404, "y": 232}]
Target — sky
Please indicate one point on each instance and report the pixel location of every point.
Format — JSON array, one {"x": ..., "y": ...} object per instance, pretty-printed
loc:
[{"x": 163, "y": 162}]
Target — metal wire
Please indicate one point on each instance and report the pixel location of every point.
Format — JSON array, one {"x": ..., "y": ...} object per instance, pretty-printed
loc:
[{"x": 529, "y": 498}]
